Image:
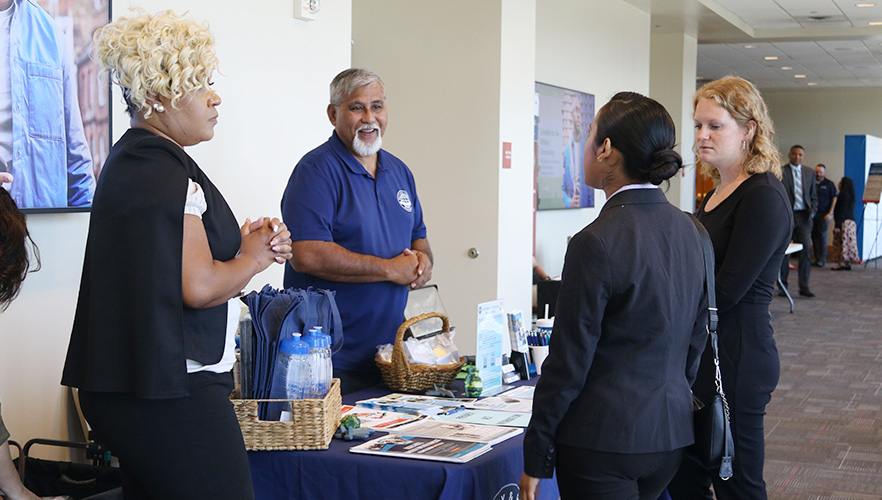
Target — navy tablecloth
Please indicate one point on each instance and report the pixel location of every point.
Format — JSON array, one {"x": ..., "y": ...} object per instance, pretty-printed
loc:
[{"x": 336, "y": 473}]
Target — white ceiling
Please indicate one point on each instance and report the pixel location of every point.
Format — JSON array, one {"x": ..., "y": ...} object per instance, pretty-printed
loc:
[{"x": 830, "y": 43}]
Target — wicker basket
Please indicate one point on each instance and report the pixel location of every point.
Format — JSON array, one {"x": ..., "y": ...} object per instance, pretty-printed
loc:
[
  {"x": 311, "y": 427},
  {"x": 402, "y": 376}
]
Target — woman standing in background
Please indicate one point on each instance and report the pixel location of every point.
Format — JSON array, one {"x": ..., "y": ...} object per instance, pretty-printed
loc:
[{"x": 845, "y": 250}]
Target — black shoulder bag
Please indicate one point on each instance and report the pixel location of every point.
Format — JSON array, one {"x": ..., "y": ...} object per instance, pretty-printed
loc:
[{"x": 713, "y": 435}]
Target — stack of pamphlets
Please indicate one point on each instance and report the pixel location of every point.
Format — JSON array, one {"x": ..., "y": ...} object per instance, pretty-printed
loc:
[
  {"x": 424, "y": 448},
  {"x": 416, "y": 404}
]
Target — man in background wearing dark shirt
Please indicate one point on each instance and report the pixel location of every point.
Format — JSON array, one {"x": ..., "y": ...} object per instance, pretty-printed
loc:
[{"x": 826, "y": 202}]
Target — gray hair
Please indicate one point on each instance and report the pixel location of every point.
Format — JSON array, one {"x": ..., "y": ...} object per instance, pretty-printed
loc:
[{"x": 350, "y": 79}]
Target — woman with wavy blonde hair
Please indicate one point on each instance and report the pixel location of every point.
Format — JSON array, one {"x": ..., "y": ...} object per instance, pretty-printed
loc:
[
  {"x": 749, "y": 220},
  {"x": 153, "y": 340}
]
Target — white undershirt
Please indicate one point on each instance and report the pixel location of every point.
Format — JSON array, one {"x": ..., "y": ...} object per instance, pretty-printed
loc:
[
  {"x": 628, "y": 187},
  {"x": 196, "y": 205}
]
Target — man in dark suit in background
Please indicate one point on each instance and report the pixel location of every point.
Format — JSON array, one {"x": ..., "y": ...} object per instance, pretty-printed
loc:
[{"x": 799, "y": 181}]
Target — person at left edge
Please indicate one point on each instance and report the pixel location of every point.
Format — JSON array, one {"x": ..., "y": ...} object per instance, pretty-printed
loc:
[
  {"x": 153, "y": 339},
  {"x": 613, "y": 410},
  {"x": 41, "y": 132},
  {"x": 357, "y": 226},
  {"x": 15, "y": 263}
]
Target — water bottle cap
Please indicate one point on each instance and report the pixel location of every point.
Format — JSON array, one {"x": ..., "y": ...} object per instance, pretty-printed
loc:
[
  {"x": 313, "y": 340},
  {"x": 326, "y": 339},
  {"x": 294, "y": 346},
  {"x": 316, "y": 329}
]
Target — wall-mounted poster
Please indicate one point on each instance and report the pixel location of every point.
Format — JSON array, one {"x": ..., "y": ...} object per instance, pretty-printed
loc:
[
  {"x": 561, "y": 121},
  {"x": 56, "y": 108}
]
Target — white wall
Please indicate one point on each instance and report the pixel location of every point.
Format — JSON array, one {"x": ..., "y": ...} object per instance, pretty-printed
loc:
[
  {"x": 457, "y": 87},
  {"x": 274, "y": 75},
  {"x": 672, "y": 72},
  {"x": 819, "y": 120},
  {"x": 599, "y": 47}
]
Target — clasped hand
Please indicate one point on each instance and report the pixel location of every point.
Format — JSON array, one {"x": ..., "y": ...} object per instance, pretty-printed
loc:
[
  {"x": 266, "y": 240},
  {"x": 412, "y": 268}
]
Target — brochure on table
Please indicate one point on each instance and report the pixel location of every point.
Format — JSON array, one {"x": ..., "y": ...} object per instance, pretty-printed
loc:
[
  {"x": 502, "y": 403},
  {"x": 490, "y": 434},
  {"x": 380, "y": 419},
  {"x": 488, "y": 358},
  {"x": 425, "y": 448},
  {"x": 488, "y": 417},
  {"x": 416, "y": 404}
]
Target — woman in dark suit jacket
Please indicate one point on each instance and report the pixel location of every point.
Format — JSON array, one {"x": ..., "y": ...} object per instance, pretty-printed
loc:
[{"x": 613, "y": 410}]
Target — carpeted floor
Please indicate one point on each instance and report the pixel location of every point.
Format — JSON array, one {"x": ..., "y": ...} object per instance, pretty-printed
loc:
[{"x": 824, "y": 424}]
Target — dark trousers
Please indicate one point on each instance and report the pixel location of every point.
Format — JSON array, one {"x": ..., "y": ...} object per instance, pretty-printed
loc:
[
  {"x": 597, "y": 475},
  {"x": 181, "y": 448},
  {"x": 750, "y": 368},
  {"x": 802, "y": 233},
  {"x": 819, "y": 238}
]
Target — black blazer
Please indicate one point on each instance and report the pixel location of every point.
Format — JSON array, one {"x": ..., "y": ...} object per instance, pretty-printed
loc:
[
  {"x": 131, "y": 331},
  {"x": 809, "y": 187},
  {"x": 629, "y": 330}
]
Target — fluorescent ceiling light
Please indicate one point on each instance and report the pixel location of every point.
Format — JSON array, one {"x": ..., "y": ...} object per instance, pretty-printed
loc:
[
  {"x": 786, "y": 68},
  {"x": 798, "y": 76},
  {"x": 771, "y": 58}
]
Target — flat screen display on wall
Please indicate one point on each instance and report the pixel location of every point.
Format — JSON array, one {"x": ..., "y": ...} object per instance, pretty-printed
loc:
[{"x": 561, "y": 121}]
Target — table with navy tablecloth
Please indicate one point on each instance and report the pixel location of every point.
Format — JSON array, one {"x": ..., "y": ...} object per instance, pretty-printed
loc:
[{"x": 336, "y": 473}]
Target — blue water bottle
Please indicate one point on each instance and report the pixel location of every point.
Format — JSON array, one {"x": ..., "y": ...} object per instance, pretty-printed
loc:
[
  {"x": 316, "y": 385},
  {"x": 290, "y": 365}
]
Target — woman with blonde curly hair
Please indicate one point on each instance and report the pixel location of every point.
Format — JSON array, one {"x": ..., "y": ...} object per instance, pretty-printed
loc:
[
  {"x": 153, "y": 341},
  {"x": 749, "y": 219}
]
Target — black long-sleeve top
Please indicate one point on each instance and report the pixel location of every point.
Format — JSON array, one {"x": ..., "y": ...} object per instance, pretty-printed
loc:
[{"x": 750, "y": 231}]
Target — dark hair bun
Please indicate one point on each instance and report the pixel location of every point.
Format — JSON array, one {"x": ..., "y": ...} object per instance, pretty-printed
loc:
[{"x": 664, "y": 164}]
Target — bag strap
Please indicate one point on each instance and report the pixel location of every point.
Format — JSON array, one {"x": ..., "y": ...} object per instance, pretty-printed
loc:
[{"x": 712, "y": 322}]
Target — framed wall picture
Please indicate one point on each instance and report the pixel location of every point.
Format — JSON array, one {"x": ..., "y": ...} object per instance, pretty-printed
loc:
[
  {"x": 561, "y": 122},
  {"x": 59, "y": 102}
]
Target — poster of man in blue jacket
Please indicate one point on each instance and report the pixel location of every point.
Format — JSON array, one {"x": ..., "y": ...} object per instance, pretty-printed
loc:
[{"x": 43, "y": 143}]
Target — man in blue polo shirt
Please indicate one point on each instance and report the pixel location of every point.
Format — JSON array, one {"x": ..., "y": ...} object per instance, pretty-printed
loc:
[{"x": 357, "y": 226}]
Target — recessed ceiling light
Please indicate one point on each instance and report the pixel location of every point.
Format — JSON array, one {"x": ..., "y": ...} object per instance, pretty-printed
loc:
[
  {"x": 798, "y": 76},
  {"x": 812, "y": 84},
  {"x": 750, "y": 46},
  {"x": 786, "y": 68},
  {"x": 771, "y": 58},
  {"x": 864, "y": 5}
]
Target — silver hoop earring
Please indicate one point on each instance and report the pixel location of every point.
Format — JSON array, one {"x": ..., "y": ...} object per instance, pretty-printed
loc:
[{"x": 158, "y": 107}]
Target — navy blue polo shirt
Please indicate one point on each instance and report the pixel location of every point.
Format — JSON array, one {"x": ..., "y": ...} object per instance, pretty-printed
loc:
[
  {"x": 331, "y": 197},
  {"x": 826, "y": 193}
]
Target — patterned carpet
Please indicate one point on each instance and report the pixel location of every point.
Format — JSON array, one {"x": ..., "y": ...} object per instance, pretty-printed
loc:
[{"x": 824, "y": 424}]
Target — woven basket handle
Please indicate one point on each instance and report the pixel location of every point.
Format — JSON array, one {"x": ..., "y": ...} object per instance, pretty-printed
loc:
[{"x": 399, "y": 359}]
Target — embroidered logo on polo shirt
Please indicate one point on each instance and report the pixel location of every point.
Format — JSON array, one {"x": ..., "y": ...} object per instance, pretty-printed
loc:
[{"x": 404, "y": 200}]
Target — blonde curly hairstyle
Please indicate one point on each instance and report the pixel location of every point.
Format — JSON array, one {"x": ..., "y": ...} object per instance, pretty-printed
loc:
[
  {"x": 163, "y": 54},
  {"x": 744, "y": 103}
]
